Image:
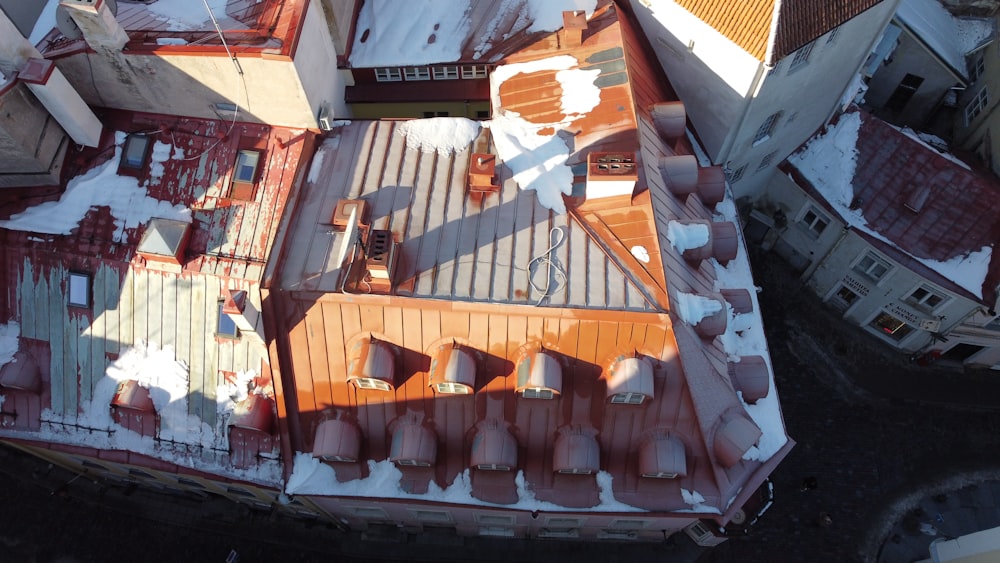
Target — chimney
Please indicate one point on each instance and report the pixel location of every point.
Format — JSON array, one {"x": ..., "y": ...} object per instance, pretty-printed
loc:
[
  {"x": 381, "y": 255},
  {"x": 611, "y": 174},
  {"x": 482, "y": 170},
  {"x": 574, "y": 24},
  {"x": 62, "y": 101},
  {"x": 96, "y": 22}
]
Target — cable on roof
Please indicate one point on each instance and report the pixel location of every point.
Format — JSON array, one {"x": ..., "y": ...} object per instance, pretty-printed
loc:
[{"x": 551, "y": 267}]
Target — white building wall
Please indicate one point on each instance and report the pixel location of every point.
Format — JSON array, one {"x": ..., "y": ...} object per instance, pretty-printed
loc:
[{"x": 316, "y": 65}]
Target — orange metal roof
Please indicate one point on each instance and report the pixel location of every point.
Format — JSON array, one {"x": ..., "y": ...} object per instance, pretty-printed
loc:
[{"x": 746, "y": 23}]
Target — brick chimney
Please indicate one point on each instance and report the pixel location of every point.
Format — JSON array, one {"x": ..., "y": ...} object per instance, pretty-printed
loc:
[
  {"x": 574, "y": 24},
  {"x": 97, "y": 23}
]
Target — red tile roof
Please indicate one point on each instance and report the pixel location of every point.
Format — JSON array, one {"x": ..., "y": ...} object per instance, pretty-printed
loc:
[{"x": 749, "y": 23}]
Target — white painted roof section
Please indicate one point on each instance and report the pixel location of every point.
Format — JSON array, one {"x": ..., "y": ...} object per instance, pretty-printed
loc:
[{"x": 949, "y": 37}]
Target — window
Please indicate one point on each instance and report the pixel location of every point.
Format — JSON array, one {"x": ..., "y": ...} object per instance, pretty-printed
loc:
[
  {"x": 561, "y": 522},
  {"x": 537, "y": 393},
  {"x": 374, "y": 513},
  {"x": 473, "y": 72},
  {"x": 890, "y": 326},
  {"x": 846, "y": 296},
  {"x": 814, "y": 221},
  {"x": 136, "y": 151},
  {"x": 578, "y": 470},
  {"x": 627, "y": 524},
  {"x": 372, "y": 383},
  {"x": 766, "y": 161},
  {"x": 133, "y": 472},
  {"x": 189, "y": 483},
  {"x": 432, "y": 516},
  {"x": 925, "y": 298},
  {"x": 801, "y": 57},
  {"x": 872, "y": 266},
  {"x": 449, "y": 387},
  {"x": 445, "y": 72},
  {"x": 737, "y": 175},
  {"x": 766, "y": 128},
  {"x": 227, "y": 327},
  {"x": 388, "y": 75},
  {"x": 833, "y": 35},
  {"x": 483, "y": 114},
  {"x": 906, "y": 89},
  {"x": 417, "y": 73},
  {"x": 977, "y": 66},
  {"x": 79, "y": 290},
  {"x": 240, "y": 491},
  {"x": 629, "y": 398},
  {"x": 246, "y": 166},
  {"x": 493, "y": 467},
  {"x": 977, "y": 105},
  {"x": 495, "y": 519},
  {"x": 428, "y": 114}
]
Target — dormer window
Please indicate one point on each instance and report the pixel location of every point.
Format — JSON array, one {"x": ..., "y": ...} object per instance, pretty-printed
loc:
[
  {"x": 337, "y": 440},
  {"x": 494, "y": 448},
  {"x": 245, "y": 175},
  {"x": 453, "y": 371},
  {"x": 372, "y": 365},
  {"x": 413, "y": 445},
  {"x": 164, "y": 241},
  {"x": 577, "y": 451},
  {"x": 539, "y": 376},
  {"x": 630, "y": 381}
]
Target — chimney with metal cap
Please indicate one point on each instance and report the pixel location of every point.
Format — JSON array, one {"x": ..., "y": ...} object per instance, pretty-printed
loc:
[{"x": 574, "y": 24}]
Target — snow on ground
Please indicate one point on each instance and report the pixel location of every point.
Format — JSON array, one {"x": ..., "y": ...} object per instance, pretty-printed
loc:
[
  {"x": 101, "y": 186},
  {"x": 829, "y": 160},
  {"x": 444, "y": 135},
  {"x": 310, "y": 476}
]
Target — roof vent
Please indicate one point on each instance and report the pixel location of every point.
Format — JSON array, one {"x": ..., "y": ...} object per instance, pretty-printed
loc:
[
  {"x": 576, "y": 451},
  {"x": 539, "y": 376},
  {"x": 734, "y": 436},
  {"x": 611, "y": 174},
  {"x": 133, "y": 408},
  {"x": 630, "y": 381},
  {"x": 337, "y": 440},
  {"x": 164, "y": 241},
  {"x": 680, "y": 174},
  {"x": 494, "y": 448},
  {"x": 711, "y": 185},
  {"x": 381, "y": 259},
  {"x": 413, "y": 445},
  {"x": 453, "y": 371},
  {"x": 917, "y": 198},
  {"x": 482, "y": 173},
  {"x": 256, "y": 412},
  {"x": 347, "y": 208},
  {"x": 574, "y": 24},
  {"x": 372, "y": 365},
  {"x": 670, "y": 119},
  {"x": 751, "y": 377},
  {"x": 662, "y": 456}
]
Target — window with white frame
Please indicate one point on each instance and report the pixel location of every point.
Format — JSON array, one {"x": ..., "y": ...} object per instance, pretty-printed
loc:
[
  {"x": 136, "y": 151},
  {"x": 417, "y": 73},
  {"x": 445, "y": 73},
  {"x": 78, "y": 290},
  {"x": 737, "y": 175},
  {"x": 537, "y": 393},
  {"x": 628, "y": 398},
  {"x": 495, "y": 519},
  {"x": 925, "y": 297},
  {"x": 801, "y": 57},
  {"x": 766, "y": 128},
  {"x": 246, "y": 166},
  {"x": 977, "y": 105},
  {"x": 432, "y": 516},
  {"x": 814, "y": 221},
  {"x": 977, "y": 66},
  {"x": 388, "y": 75},
  {"x": 451, "y": 388},
  {"x": 872, "y": 266},
  {"x": 766, "y": 161},
  {"x": 474, "y": 71}
]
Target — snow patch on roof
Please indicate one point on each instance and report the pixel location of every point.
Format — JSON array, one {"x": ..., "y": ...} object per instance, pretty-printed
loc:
[
  {"x": 159, "y": 155},
  {"x": 444, "y": 135},
  {"x": 949, "y": 37},
  {"x": 100, "y": 186},
  {"x": 9, "y": 334},
  {"x": 417, "y": 32},
  {"x": 547, "y": 14},
  {"x": 693, "y": 308},
  {"x": 534, "y": 152},
  {"x": 828, "y": 162},
  {"x": 685, "y": 237},
  {"x": 185, "y": 15},
  {"x": 310, "y": 476}
]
